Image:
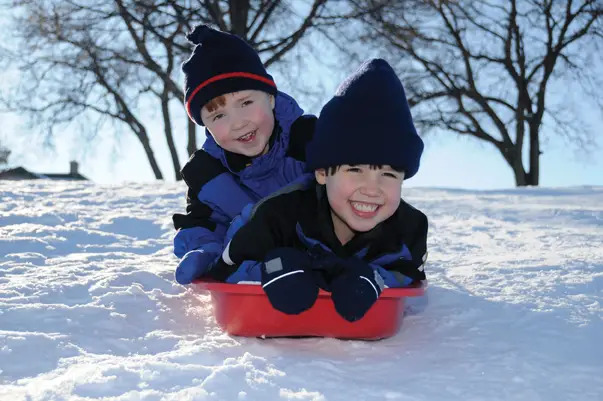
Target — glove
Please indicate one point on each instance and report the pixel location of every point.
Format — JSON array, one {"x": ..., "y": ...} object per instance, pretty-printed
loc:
[
  {"x": 392, "y": 279},
  {"x": 249, "y": 271},
  {"x": 325, "y": 265},
  {"x": 287, "y": 281},
  {"x": 194, "y": 264},
  {"x": 356, "y": 289}
]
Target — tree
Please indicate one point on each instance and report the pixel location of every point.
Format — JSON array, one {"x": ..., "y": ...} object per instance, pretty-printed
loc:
[
  {"x": 484, "y": 68},
  {"x": 261, "y": 23},
  {"x": 4, "y": 153},
  {"x": 96, "y": 61}
]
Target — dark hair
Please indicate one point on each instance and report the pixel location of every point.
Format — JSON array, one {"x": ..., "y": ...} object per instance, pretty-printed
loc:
[{"x": 333, "y": 169}]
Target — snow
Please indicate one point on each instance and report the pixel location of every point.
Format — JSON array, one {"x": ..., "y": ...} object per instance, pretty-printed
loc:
[{"x": 89, "y": 309}]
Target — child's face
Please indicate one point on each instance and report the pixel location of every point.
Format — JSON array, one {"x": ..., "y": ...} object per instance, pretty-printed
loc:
[
  {"x": 243, "y": 124},
  {"x": 361, "y": 197}
]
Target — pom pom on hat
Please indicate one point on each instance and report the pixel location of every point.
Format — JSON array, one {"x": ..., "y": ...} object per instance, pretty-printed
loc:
[{"x": 198, "y": 34}]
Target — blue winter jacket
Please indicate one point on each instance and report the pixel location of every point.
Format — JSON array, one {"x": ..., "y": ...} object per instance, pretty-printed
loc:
[{"x": 221, "y": 183}]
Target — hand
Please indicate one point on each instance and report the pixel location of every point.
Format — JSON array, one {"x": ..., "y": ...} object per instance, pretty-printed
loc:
[
  {"x": 287, "y": 282},
  {"x": 249, "y": 271},
  {"x": 356, "y": 289},
  {"x": 193, "y": 265},
  {"x": 326, "y": 263},
  {"x": 392, "y": 279}
]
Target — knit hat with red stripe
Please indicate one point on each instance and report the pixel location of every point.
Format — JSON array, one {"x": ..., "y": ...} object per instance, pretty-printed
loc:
[{"x": 221, "y": 63}]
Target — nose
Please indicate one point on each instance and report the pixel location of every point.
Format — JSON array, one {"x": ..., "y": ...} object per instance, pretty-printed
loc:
[
  {"x": 238, "y": 122},
  {"x": 370, "y": 186}
]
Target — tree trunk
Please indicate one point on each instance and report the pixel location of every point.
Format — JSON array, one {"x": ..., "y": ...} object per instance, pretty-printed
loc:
[
  {"x": 144, "y": 139},
  {"x": 239, "y": 11},
  {"x": 192, "y": 137},
  {"x": 167, "y": 126},
  {"x": 521, "y": 178},
  {"x": 514, "y": 160},
  {"x": 534, "y": 175}
]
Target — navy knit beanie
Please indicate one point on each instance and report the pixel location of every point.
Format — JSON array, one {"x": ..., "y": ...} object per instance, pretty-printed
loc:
[
  {"x": 221, "y": 63},
  {"x": 368, "y": 121}
]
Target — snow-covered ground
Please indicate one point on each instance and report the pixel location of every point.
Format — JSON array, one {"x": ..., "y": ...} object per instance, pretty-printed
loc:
[{"x": 89, "y": 309}]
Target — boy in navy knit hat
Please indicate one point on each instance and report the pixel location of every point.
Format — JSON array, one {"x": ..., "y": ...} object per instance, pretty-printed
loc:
[
  {"x": 349, "y": 232},
  {"x": 255, "y": 144}
]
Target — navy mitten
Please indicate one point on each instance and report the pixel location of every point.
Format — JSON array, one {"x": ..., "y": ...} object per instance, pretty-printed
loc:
[
  {"x": 287, "y": 281},
  {"x": 355, "y": 289}
]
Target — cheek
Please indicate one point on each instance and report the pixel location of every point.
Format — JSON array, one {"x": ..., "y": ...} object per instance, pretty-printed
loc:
[
  {"x": 263, "y": 116},
  {"x": 218, "y": 132},
  {"x": 339, "y": 192},
  {"x": 394, "y": 193}
]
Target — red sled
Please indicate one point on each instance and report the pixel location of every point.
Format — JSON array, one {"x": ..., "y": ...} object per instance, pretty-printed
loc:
[{"x": 244, "y": 310}]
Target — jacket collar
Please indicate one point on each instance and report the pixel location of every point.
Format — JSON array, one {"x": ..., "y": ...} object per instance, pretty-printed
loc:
[
  {"x": 236, "y": 162},
  {"x": 318, "y": 225}
]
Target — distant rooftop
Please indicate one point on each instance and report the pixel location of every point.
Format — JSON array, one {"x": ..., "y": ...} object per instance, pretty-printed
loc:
[{"x": 20, "y": 173}]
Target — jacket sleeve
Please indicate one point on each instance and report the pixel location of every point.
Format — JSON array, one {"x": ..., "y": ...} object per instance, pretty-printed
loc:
[
  {"x": 255, "y": 238},
  {"x": 415, "y": 241},
  {"x": 251, "y": 242},
  {"x": 270, "y": 226},
  {"x": 203, "y": 226},
  {"x": 200, "y": 228}
]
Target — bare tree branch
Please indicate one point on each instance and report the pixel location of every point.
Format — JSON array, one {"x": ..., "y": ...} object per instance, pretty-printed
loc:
[
  {"x": 483, "y": 68},
  {"x": 99, "y": 60}
]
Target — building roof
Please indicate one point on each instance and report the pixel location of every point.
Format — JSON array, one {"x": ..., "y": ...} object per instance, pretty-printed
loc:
[{"x": 20, "y": 173}]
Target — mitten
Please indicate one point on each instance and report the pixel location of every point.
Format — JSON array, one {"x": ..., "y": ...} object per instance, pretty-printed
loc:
[
  {"x": 392, "y": 279},
  {"x": 355, "y": 289},
  {"x": 249, "y": 271},
  {"x": 324, "y": 265},
  {"x": 193, "y": 265},
  {"x": 287, "y": 282}
]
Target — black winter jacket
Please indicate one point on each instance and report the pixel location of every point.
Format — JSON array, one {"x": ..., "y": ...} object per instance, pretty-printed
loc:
[{"x": 300, "y": 218}]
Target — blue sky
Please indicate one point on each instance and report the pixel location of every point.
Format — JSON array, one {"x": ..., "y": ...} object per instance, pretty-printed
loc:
[{"x": 448, "y": 160}]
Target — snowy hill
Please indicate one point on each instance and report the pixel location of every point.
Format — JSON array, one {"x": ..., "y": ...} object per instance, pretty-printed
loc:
[{"x": 89, "y": 309}]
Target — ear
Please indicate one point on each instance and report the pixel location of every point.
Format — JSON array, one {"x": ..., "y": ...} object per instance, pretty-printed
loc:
[
  {"x": 272, "y": 102},
  {"x": 321, "y": 176}
]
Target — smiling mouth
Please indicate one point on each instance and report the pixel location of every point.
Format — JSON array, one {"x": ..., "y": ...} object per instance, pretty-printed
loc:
[
  {"x": 364, "y": 208},
  {"x": 248, "y": 137}
]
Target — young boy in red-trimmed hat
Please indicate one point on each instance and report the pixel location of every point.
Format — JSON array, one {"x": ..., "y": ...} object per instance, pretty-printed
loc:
[
  {"x": 348, "y": 232},
  {"x": 255, "y": 143}
]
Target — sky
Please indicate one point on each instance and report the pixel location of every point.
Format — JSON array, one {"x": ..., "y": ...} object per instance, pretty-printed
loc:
[
  {"x": 89, "y": 309},
  {"x": 448, "y": 161}
]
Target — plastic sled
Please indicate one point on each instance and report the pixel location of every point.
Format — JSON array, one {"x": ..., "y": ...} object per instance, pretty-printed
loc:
[{"x": 244, "y": 310}]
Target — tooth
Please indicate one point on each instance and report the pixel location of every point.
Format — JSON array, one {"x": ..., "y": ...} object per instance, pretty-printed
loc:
[
  {"x": 364, "y": 207},
  {"x": 246, "y": 135}
]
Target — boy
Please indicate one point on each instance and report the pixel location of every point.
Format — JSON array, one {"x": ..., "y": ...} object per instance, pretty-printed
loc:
[
  {"x": 349, "y": 232},
  {"x": 255, "y": 143}
]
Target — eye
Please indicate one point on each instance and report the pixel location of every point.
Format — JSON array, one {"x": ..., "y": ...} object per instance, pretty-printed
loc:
[
  {"x": 354, "y": 169},
  {"x": 391, "y": 175},
  {"x": 217, "y": 117},
  {"x": 247, "y": 102}
]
